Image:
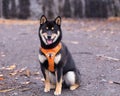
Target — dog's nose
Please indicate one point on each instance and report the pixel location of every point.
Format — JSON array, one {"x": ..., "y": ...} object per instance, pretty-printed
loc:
[{"x": 49, "y": 37}]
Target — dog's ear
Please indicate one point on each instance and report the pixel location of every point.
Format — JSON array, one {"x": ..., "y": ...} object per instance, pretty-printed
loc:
[
  {"x": 43, "y": 19},
  {"x": 58, "y": 20}
]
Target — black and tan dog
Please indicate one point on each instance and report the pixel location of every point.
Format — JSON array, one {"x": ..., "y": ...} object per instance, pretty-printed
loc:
[{"x": 57, "y": 64}]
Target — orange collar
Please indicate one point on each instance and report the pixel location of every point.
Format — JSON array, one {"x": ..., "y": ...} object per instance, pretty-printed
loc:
[{"x": 50, "y": 54}]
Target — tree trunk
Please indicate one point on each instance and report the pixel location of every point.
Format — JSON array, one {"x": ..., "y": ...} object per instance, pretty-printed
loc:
[
  {"x": 5, "y": 8},
  {"x": 24, "y": 9},
  {"x": 0, "y": 8}
]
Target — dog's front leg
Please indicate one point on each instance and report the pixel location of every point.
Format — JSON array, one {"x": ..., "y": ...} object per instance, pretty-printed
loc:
[
  {"x": 47, "y": 81},
  {"x": 58, "y": 74}
]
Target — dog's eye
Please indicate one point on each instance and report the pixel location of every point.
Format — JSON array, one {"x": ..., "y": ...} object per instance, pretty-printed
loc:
[
  {"x": 52, "y": 28},
  {"x": 47, "y": 28}
]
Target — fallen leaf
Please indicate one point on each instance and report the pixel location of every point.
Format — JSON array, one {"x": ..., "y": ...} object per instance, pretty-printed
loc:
[
  {"x": 24, "y": 89},
  {"x": 6, "y": 90},
  {"x": 11, "y": 67},
  {"x": 74, "y": 42},
  {"x": 108, "y": 58},
  {"x": 2, "y": 68},
  {"x": 1, "y": 78},
  {"x": 3, "y": 55},
  {"x": 118, "y": 69},
  {"x": 37, "y": 78},
  {"x": 35, "y": 73},
  {"x": 25, "y": 83},
  {"x": 111, "y": 82},
  {"x": 13, "y": 73},
  {"x": 114, "y": 82},
  {"x": 1, "y": 75},
  {"x": 9, "y": 89},
  {"x": 28, "y": 73},
  {"x": 23, "y": 69}
]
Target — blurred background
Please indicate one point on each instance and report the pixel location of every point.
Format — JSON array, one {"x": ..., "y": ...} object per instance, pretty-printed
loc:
[
  {"x": 33, "y": 9},
  {"x": 94, "y": 44}
]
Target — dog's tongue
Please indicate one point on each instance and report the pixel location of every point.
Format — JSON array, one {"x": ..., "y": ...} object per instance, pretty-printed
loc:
[{"x": 49, "y": 41}]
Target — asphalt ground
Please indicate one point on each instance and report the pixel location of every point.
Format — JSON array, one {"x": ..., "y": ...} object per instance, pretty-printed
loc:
[{"x": 95, "y": 47}]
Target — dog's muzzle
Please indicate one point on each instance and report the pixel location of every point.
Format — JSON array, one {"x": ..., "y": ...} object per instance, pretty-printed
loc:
[{"x": 49, "y": 40}]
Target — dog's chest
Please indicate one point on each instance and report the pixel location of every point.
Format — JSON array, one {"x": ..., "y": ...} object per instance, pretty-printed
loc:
[
  {"x": 43, "y": 58},
  {"x": 52, "y": 60},
  {"x": 52, "y": 55}
]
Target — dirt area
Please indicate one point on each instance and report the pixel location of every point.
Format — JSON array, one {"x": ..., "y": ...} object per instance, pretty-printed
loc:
[{"x": 95, "y": 47}]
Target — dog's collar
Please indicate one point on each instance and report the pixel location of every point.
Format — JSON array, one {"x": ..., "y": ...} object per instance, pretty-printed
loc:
[{"x": 50, "y": 54}]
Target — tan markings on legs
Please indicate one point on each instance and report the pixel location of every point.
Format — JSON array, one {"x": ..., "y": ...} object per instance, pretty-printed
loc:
[
  {"x": 58, "y": 87},
  {"x": 47, "y": 82},
  {"x": 73, "y": 87},
  {"x": 52, "y": 86}
]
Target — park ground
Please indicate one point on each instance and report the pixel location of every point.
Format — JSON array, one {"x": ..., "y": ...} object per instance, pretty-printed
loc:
[{"x": 93, "y": 43}]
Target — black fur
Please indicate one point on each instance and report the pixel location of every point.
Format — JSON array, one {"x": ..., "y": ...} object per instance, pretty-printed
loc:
[{"x": 66, "y": 63}]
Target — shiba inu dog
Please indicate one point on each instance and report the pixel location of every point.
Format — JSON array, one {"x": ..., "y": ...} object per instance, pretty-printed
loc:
[{"x": 56, "y": 62}]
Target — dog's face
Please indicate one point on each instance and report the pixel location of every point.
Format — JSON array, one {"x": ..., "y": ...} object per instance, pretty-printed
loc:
[{"x": 49, "y": 31}]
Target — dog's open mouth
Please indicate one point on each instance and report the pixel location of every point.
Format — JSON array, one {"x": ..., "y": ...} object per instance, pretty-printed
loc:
[{"x": 49, "y": 41}]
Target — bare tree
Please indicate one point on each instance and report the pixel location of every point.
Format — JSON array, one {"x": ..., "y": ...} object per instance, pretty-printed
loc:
[{"x": 24, "y": 9}]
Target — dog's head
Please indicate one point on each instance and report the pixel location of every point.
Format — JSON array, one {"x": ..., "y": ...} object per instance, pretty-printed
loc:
[{"x": 50, "y": 32}]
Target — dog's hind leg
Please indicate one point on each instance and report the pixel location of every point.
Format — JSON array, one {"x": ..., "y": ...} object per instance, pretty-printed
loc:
[
  {"x": 73, "y": 87},
  {"x": 71, "y": 80}
]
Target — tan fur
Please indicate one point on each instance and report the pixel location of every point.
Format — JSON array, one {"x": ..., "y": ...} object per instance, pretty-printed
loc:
[
  {"x": 43, "y": 20},
  {"x": 58, "y": 88},
  {"x": 58, "y": 21},
  {"x": 73, "y": 87},
  {"x": 52, "y": 86},
  {"x": 47, "y": 82}
]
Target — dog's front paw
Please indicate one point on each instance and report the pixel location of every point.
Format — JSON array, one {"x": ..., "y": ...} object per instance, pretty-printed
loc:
[
  {"x": 46, "y": 89},
  {"x": 57, "y": 92}
]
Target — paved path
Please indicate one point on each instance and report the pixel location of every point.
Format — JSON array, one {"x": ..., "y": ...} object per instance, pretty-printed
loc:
[{"x": 95, "y": 47}]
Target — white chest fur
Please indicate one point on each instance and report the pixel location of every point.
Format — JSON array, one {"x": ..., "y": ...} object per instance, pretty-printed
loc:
[
  {"x": 42, "y": 58},
  {"x": 57, "y": 58}
]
